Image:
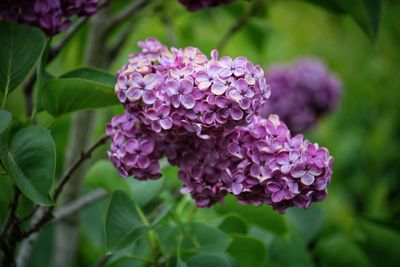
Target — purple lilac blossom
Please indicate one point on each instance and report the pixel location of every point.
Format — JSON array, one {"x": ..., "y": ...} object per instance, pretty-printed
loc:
[
  {"x": 193, "y": 5},
  {"x": 52, "y": 16},
  {"x": 302, "y": 93},
  {"x": 202, "y": 115},
  {"x": 134, "y": 150},
  {"x": 181, "y": 89}
]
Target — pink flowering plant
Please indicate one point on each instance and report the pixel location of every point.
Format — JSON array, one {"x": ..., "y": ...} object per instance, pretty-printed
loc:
[{"x": 182, "y": 157}]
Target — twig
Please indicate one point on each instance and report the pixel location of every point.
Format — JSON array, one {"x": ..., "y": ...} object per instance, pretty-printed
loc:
[
  {"x": 240, "y": 22},
  {"x": 84, "y": 155},
  {"x": 65, "y": 211},
  {"x": 27, "y": 245},
  {"x": 121, "y": 39},
  {"x": 79, "y": 204},
  {"x": 71, "y": 31},
  {"x": 170, "y": 30},
  {"x": 126, "y": 13},
  {"x": 55, "y": 50}
]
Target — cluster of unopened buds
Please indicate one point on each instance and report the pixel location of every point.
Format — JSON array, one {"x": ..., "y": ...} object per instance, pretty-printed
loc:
[
  {"x": 303, "y": 93},
  {"x": 202, "y": 114},
  {"x": 52, "y": 16}
]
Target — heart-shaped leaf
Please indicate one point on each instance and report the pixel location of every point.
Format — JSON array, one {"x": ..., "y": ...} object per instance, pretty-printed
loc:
[
  {"x": 248, "y": 251},
  {"x": 233, "y": 224},
  {"x": 21, "y": 47},
  {"x": 262, "y": 216},
  {"x": 123, "y": 225},
  {"x": 31, "y": 161}
]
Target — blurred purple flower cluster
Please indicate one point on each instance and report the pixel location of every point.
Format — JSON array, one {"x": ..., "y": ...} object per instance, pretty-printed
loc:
[
  {"x": 301, "y": 93},
  {"x": 193, "y": 5},
  {"x": 202, "y": 114},
  {"x": 52, "y": 16}
]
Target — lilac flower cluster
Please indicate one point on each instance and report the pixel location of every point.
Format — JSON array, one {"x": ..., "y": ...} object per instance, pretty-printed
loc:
[
  {"x": 193, "y": 5},
  {"x": 259, "y": 164},
  {"x": 182, "y": 90},
  {"x": 135, "y": 150},
  {"x": 52, "y": 16},
  {"x": 302, "y": 93},
  {"x": 202, "y": 114}
]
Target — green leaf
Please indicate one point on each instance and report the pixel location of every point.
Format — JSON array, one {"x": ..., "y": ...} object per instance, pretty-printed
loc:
[
  {"x": 307, "y": 222},
  {"x": 163, "y": 214},
  {"x": 5, "y": 119},
  {"x": 366, "y": 13},
  {"x": 262, "y": 216},
  {"x": 103, "y": 174},
  {"x": 233, "y": 224},
  {"x": 196, "y": 237},
  {"x": 31, "y": 162},
  {"x": 41, "y": 77},
  {"x": 327, "y": 252},
  {"x": 78, "y": 90},
  {"x": 93, "y": 75},
  {"x": 247, "y": 251},
  {"x": 289, "y": 253},
  {"x": 327, "y": 4},
  {"x": 123, "y": 225},
  {"x": 208, "y": 260},
  {"x": 381, "y": 244},
  {"x": 21, "y": 47},
  {"x": 145, "y": 191}
]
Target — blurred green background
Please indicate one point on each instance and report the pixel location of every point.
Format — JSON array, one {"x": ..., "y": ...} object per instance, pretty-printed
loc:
[{"x": 357, "y": 225}]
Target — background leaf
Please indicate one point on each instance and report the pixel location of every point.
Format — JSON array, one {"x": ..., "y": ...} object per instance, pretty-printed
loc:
[
  {"x": 381, "y": 244},
  {"x": 289, "y": 253},
  {"x": 123, "y": 224},
  {"x": 328, "y": 252},
  {"x": 366, "y": 13},
  {"x": 21, "y": 47}
]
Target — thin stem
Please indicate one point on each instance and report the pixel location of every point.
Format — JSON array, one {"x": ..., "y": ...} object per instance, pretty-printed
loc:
[
  {"x": 121, "y": 40},
  {"x": 239, "y": 23},
  {"x": 63, "y": 213},
  {"x": 84, "y": 156},
  {"x": 55, "y": 50}
]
